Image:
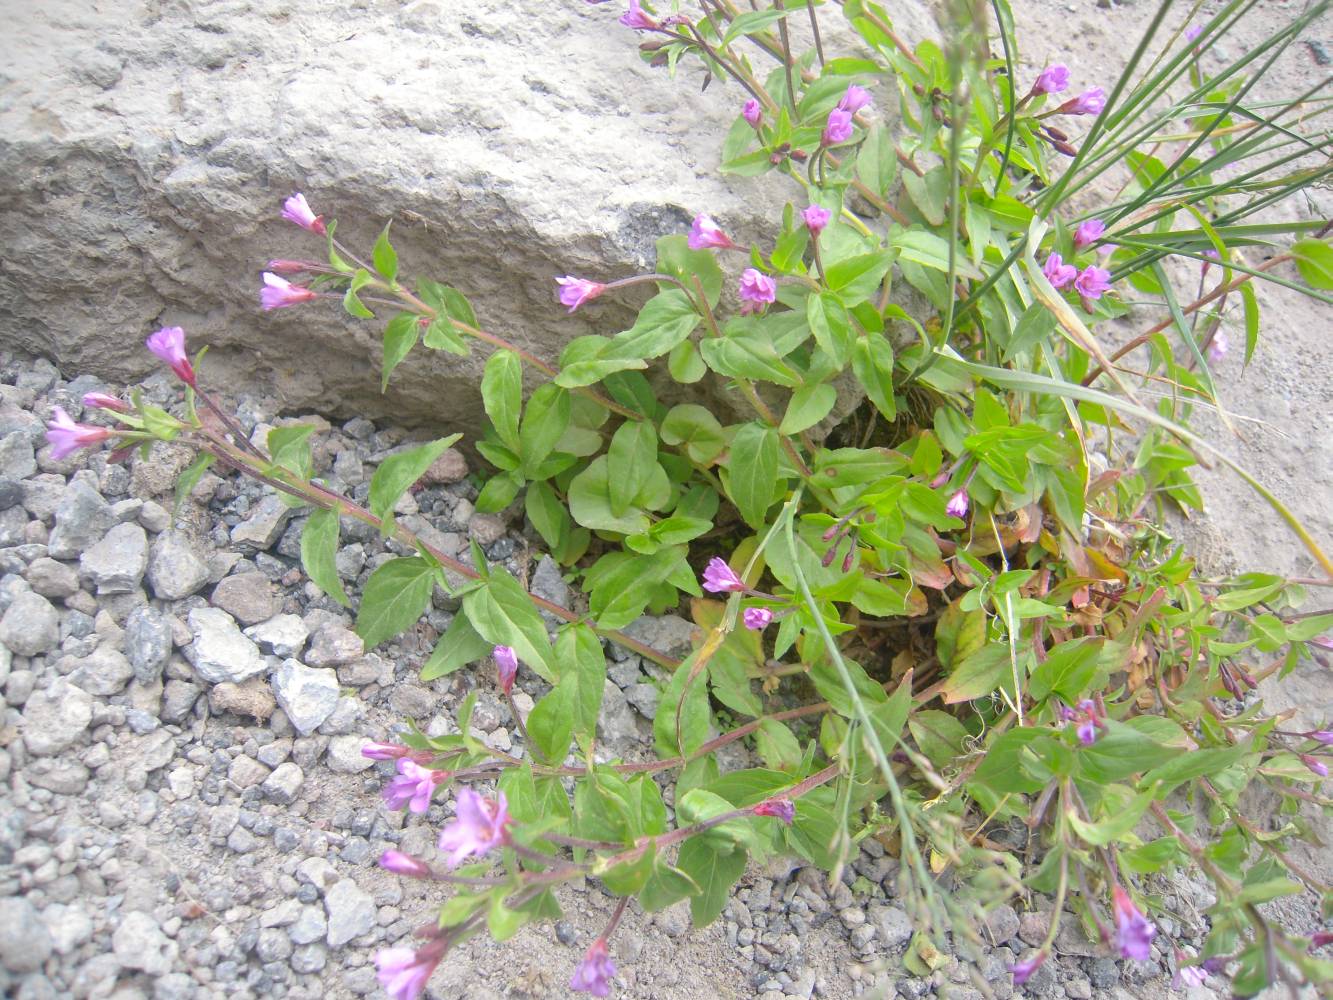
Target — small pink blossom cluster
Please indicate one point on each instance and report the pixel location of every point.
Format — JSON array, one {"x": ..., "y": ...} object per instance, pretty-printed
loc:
[
  {"x": 1089, "y": 719},
  {"x": 1054, "y": 79},
  {"x": 1092, "y": 282},
  {"x": 838, "y": 129}
]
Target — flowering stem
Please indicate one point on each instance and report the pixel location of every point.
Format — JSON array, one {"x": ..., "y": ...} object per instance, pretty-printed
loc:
[
  {"x": 786, "y": 55},
  {"x": 230, "y": 424},
  {"x": 322, "y": 496},
  {"x": 1216, "y": 293},
  {"x": 523, "y": 729},
  {"x": 614, "y": 922}
]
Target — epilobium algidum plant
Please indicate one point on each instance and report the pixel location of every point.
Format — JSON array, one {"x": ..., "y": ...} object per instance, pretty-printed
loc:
[{"x": 919, "y": 536}]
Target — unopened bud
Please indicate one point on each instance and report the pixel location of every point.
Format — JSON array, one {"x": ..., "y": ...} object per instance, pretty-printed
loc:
[
  {"x": 847, "y": 559},
  {"x": 829, "y": 556}
]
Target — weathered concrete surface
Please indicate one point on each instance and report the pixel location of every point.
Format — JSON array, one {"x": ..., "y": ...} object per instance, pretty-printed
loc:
[{"x": 146, "y": 148}]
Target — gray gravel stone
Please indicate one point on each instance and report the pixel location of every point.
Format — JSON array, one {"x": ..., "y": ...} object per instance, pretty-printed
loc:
[
  {"x": 17, "y": 458},
  {"x": 68, "y": 925},
  {"x": 30, "y": 625},
  {"x": 138, "y": 943},
  {"x": 116, "y": 564},
  {"x": 644, "y": 698},
  {"x": 333, "y": 646},
  {"x": 104, "y": 672},
  {"x": 1002, "y": 924},
  {"x": 82, "y": 517},
  {"x": 615, "y": 724},
  {"x": 55, "y": 717},
  {"x": 52, "y": 579},
  {"x": 284, "y": 784},
  {"x": 175, "y": 569},
  {"x": 668, "y": 634},
  {"x": 892, "y": 926},
  {"x": 351, "y": 912},
  {"x": 309, "y": 927},
  {"x": 247, "y": 597},
  {"x": 219, "y": 651},
  {"x": 307, "y": 694},
  {"x": 264, "y": 526},
  {"x": 25, "y": 942},
  {"x": 282, "y": 635},
  {"x": 147, "y": 643},
  {"x": 344, "y": 755}
]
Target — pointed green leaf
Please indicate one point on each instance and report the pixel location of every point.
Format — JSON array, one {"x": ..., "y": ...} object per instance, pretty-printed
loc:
[
  {"x": 753, "y": 471},
  {"x": 397, "y": 472},
  {"x": 395, "y": 597},
  {"x": 400, "y": 336},
  {"x": 319, "y": 550},
  {"x": 502, "y": 394}
]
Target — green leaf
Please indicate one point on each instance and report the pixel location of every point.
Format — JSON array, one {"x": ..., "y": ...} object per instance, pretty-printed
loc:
[
  {"x": 499, "y": 492},
  {"x": 831, "y": 326},
  {"x": 1181, "y": 768},
  {"x": 699, "y": 805},
  {"x": 545, "y": 420},
  {"x": 590, "y": 502},
  {"x": 696, "y": 428},
  {"x": 441, "y": 336},
  {"x": 395, "y": 597},
  {"x": 551, "y": 723},
  {"x": 808, "y": 407},
  {"x": 978, "y": 675},
  {"x": 1314, "y": 259},
  {"x": 578, "y": 650},
  {"x": 447, "y": 302},
  {"x": 351, "y": 302},
  {"x": 686, "y": 364},
  {"x": 665, "y": 886},
  {"x": 189, "y": 479},
  {"x": 400, "y": 336},
  {"x": 858, "y": 278},
  {"x": 319, "y": 550},
  {"x": 397, "y": 472},
  {"x": 665, "y": 321},
  {"x": 877, "y": 162},
  {"x": 459, "y": 645},
  {"x": 674, "y": 257},
  {"x": 939, "y": 735},
  {"x": 1012, "y": 764},
  {"x": 753, "y": 471},
  {"x": 694, "y": 713},
  {"x": 1068, "y": 669},
  {"x": 503, "y": 614},
  {"x": 750, "y": 23},
  {"x": 502, "y": 394},
  {"x": 631, "y": 460},
  {"x": 289, "y": 447},
  {"x": 1118, "y": 752},
  {"x": 748, "y": 356},
  {"x": 385, "y": 257},
  {"x": 931, "y": 251},
  {"x": 547, "y": 513},
  {"x": 714, "y": 871},
  {"x": 872, "y": 363}
]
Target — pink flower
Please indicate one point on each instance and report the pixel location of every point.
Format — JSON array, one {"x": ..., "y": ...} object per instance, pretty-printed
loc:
[
  {"x": 168, "y": 344},
  {"x": 855, "y": 99},
  {"x": 779, "y": 808},
  {"x": 636, "y": 18},
  {"x": 506, "y": 665},
  {"x": 1218, "y": 346},
  {"x": 593, "y": 974},
  {"x": 279, "y": 293},
  {"x": 384, "y": 751},
  {"x": 101, "y": 401},
  {"x": 412, "y": 787},
  {"x": 1023, "y": 970},
  {"x": 757, "y": 619},
  {"x": 1189, "y": 975},
  {"x": 295, "y": 209},
  {"x": 705, "y": 234},
  {"x": 752, "y": 112},
  {"x": 1087, "y": 732},
  {"x": 838, "y": 129},
  {"x": 479, "y": 825},
  {"x": 1053, "y": 79},
  {"x": 576, "y": 291},
  {"x": 1058, "y": 273},
  {"x": 403, "y": 971},
  {"x": 292, "y": 266},
  {"x": 816, "y": 218},
  {"x": 1133, "y": 931},
  {"x": 404, "y": 864},
  {"x": 719, "y": 578},
  {"x": 757, "y": 290},
  {"x": 1324, "y": 736},
  {"x": 67, "y": 437},
  {"x": 1088, "y": 233},
  {"x": 957, "y": 505},
  {"x": 1315, "y": 764},
  {"x": 1090, "y": 102},
  {"x": 1193, "y": 32},
  {"x": 1091, "y": 283}
]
